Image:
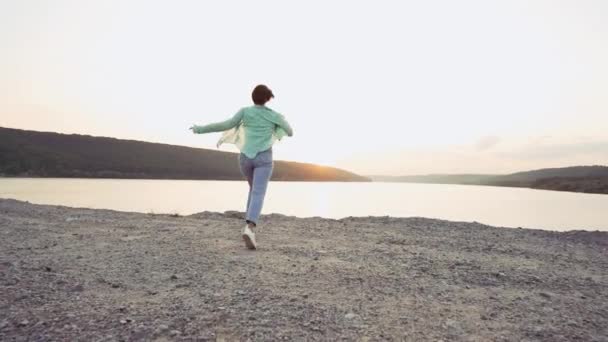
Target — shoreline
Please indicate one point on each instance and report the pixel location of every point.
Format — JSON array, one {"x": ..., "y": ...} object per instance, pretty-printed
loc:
[
  {"x": 189, "y": 180},
  {"x": 234, "y": 212},
  {"x": 97, "y": 274}
]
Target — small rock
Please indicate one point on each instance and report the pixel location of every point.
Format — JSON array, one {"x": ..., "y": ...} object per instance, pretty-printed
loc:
[
  {"x": 450, "y": 323},
  {"x": 163, "y": 327},
  {"x": 454, "y": 327},
  {"x": 78, "y": 288},
  {"x": 544, "y": 294},
  {"x": 123, "y": 321},
  {"x": 23, "y": 323},
  {"x": 175, "y": 333},
  {"x": 21, "y": 297},
  {"x": 47, "y": 268},
  {"x": 174, "y": 277},
  {"x": 351, "y": 315}
]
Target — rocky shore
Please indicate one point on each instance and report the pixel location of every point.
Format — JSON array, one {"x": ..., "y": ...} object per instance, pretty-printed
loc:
[{"x": 101, "y": 275}]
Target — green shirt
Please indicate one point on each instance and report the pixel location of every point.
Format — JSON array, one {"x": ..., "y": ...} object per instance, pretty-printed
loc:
[{"x": 252, "y": 129}]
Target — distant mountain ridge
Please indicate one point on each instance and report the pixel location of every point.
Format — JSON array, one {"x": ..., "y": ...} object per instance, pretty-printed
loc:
[
  {"x": 47, "y": 154},
  {"x": 569, "y": 172},
  {"x": 590, "y": 179}
]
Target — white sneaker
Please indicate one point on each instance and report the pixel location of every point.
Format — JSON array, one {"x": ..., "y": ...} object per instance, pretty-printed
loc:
[{"x": 249, "y": 238}]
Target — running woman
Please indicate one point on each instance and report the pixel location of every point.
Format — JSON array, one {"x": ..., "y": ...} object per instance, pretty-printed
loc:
[{"x": 253, "y": 130}]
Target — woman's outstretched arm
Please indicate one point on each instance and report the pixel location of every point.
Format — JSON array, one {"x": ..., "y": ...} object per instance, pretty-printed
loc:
[{"x": 219, "y": 126}]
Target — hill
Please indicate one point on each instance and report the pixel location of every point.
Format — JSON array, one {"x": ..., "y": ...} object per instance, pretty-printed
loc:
[
  {"x": 590, "y": 179},
  {"x": 46, "y": 154}
]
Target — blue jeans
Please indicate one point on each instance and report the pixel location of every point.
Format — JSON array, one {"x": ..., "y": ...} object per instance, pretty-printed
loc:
[{"x": 257, "y": 171}]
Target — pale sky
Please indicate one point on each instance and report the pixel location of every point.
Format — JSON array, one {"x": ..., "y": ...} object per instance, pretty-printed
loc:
[{"x": 377, "y": 87}]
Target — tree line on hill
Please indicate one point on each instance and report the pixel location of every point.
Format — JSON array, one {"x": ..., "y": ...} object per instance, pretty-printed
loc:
[{"x": 46, "y": 154}]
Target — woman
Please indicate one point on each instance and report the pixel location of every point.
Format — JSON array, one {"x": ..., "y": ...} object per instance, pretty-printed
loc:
[{"x": 253, "y": 130}]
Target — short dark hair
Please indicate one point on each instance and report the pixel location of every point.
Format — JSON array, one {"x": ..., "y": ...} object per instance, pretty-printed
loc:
[{"x": 261, "y": 94}]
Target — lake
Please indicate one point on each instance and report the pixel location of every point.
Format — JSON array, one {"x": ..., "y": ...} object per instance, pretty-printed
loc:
[{"x": 497, "y": 206}]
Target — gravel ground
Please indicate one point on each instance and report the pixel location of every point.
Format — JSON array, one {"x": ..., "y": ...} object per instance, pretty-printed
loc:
[{"x": 101, "y": 275}]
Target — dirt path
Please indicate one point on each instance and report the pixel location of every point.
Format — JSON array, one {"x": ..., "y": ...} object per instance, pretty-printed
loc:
[{"x": 99, "y": 275}]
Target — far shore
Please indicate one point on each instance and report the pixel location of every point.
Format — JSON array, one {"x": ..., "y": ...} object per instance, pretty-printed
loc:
[
  {"x": 328, "y": 181},
  {"x": 103, "y": 275}
]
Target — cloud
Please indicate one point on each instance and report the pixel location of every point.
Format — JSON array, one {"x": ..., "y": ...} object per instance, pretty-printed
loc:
[
  {"x": 552, "y": 149},
  {"x": 487, "y": 142}
]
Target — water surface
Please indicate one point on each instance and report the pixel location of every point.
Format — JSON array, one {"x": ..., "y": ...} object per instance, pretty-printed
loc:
[{"x": 498, "y": 206}]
